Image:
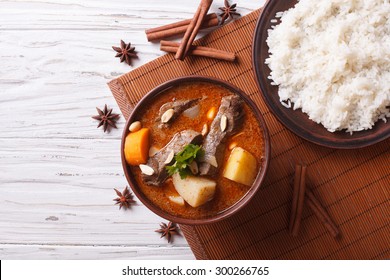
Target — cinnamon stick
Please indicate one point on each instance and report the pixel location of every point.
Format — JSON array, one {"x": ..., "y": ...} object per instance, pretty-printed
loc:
[
  {"x": 298, "y": 199},
  {"x": 193, "y": 29},
  {"x": 321, "y": 214},
  {"x": 312, "y": 202},
  {"x": 178, "y": 28},
  {"x": 172, "y": 47}
]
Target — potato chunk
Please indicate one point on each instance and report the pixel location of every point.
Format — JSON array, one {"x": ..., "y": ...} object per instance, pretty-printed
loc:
[
  {"x": 195, "y": 191},
  {"x": 177, "y": 200},
  {"x": 241, "y": 167}
]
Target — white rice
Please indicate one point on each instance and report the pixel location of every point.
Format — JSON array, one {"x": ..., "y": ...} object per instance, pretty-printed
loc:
[{"x": 331, "y": 58}]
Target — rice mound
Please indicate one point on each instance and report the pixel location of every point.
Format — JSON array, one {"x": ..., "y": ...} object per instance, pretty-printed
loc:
[{"x": 331, "y": 58}]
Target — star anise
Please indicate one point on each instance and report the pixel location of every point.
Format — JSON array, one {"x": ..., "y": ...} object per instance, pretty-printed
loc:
[
  {"x": 126, "y": 52},
  {"x": 167, "y": 230},
  {"x": 106, "y": 118},
  {"x": 124, "y": 199},
  {"x": 228, "y": 11}
]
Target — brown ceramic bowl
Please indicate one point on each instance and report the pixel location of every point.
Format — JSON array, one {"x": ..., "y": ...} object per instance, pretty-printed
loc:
[
  {"x": 145, "y": 101},
  {"x": 296, "y": 121}
]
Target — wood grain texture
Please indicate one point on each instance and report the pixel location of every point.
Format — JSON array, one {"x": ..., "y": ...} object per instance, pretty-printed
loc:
[
  {"x": 57, "y": 171},
  {"x": 32, "y": 252}
]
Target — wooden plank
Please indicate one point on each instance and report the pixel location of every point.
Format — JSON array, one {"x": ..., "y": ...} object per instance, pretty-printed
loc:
[
  {"x": 102, "y": 15},
  {"x": 30, "y": 252}
]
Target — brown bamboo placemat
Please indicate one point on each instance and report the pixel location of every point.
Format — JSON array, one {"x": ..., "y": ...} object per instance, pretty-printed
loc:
[{"x": 353, "y": 185}]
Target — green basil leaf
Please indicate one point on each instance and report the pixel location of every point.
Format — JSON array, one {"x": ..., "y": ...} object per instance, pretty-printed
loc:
[{"x": 184, "y": 158}]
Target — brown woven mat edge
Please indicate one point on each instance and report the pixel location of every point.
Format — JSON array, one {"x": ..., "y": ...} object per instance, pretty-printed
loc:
[
  {"x": 121, "y": 97},
  {"x": 192, "y": 237}
]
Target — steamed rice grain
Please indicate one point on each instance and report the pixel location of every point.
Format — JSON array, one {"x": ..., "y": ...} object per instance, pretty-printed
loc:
[{"x": 331, "y": 58}]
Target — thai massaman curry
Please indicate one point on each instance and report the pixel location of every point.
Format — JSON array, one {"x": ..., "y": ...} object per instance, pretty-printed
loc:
[{"x": 196, "y": 150}]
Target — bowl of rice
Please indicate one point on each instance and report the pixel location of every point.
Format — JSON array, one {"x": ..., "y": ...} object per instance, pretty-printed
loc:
[{"x": 323, "y": 68}]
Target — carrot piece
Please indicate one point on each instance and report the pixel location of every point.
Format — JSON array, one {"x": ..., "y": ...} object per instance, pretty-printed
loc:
[{"x": 137, "y": 147}]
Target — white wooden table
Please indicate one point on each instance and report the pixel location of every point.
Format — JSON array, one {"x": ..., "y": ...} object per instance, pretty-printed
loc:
[{"x": 57, "y": 171}]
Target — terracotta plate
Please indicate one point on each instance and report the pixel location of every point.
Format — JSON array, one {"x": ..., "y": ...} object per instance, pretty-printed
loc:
[{"x": 296, "y": 121}]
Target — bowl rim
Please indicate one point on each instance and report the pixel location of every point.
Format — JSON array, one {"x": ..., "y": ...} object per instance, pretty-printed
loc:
[
  {"x": 302, "y": 131},
  {"x": 260, "y": 176}
]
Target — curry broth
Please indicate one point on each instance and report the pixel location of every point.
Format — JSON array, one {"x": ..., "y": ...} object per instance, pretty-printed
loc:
[{"x": 250, "y": 137}]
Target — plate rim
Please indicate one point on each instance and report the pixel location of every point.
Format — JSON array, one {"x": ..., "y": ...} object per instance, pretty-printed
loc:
[{"x": 274, "y": 109}]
